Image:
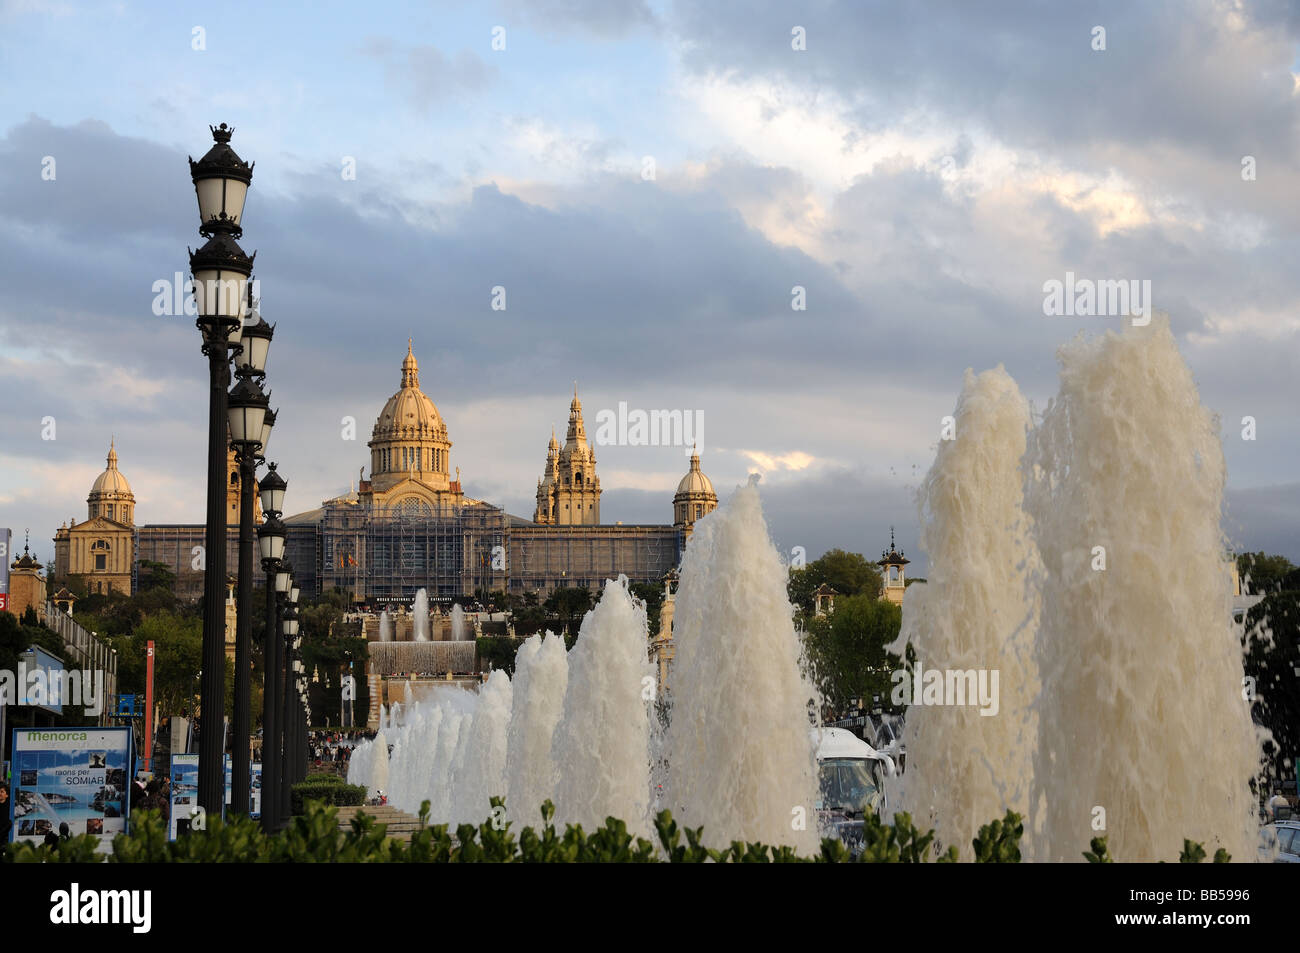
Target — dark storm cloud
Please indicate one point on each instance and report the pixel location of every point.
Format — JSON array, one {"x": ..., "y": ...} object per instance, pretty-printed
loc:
[
  {"x": 1266, "y": 519},
  {"x": 622, "y": 283},
  {"x": 1180, "y": 72}
]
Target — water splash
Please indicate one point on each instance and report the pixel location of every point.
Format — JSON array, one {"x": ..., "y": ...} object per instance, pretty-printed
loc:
[
  {"x": 601, "y": 745},
  {"x": 975, "y": 613},
  {"x": 420, "y": 617},
  {"x": 741, "y": 760},
  {"x": 541, "y": 679},
  {"x": 385, "y": 627},
  {"x": 379, "y": 766},
  {"x": 1142, "y": 723},
  {"x": 480, "y": 773},
  {"x": 458, "y": 627}
]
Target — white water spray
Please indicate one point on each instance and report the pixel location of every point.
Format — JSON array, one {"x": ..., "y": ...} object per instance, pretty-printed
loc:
[
  {"x": 541, "y": 679},
  {"x": 1144, "y": 735},
  {"x": 741, "y": 760},
  {"x": 973, "y": 614},
  {"x": 420, "y": 617},
  {"x": 601, "y": 745}
]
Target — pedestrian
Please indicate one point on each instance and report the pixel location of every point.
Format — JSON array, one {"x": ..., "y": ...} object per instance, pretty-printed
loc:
[{"x": 4, "y": 813}]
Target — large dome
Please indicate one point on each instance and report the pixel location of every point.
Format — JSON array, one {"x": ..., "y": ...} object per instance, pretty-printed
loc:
[
  {"x": 111, "y": 483},
  {"x": 409, "y": 413},
  {"x": 409, "y": 441},
  {"x": 695, "y": 483}
]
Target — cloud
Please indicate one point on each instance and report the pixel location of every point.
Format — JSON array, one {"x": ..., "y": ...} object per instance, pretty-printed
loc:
[
  {"x": 426, "y": 75},
  {"x": 824, "y": 170},
  {"x": 794, "y": 460},
  {"x": 598, "y": 18}
]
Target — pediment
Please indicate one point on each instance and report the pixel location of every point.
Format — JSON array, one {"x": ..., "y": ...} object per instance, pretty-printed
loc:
[{"x": 102, "y": 524}]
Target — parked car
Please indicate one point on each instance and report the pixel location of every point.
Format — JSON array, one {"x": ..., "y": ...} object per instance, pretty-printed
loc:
[
  {"x": 1279, "y": 842},
  {"x": 851, "y": 777}
]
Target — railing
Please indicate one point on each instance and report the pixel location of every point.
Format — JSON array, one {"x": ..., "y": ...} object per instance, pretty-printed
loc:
[{"x": 86, "y": 650}]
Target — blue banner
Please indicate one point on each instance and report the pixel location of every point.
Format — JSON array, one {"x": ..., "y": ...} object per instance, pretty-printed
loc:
[
  {"x": 70, "y": 777},
  {"x": 255, "y": 790},
  {"x": 185, "y": 814}
]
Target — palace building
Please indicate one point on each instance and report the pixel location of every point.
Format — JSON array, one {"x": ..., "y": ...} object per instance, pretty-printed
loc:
[
  {"x": 101, "y": 548},
  {"x": 410, "y": 526}
]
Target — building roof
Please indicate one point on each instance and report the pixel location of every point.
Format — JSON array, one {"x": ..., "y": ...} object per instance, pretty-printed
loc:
[
  {"x": 409, "y": 413},
  {"x": 111, "y": 483},
  {"x": 695, "y": 483}
]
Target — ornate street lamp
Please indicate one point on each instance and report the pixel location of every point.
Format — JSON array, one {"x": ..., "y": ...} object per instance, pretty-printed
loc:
[
  {"x": 220, "y": 271},
  {"x": 268, "y": 423},
  {"x": 221, "y": 181},
  {"x": 247, "y": 407},
  {"x": 289, "y": 629},
  {"x": 251, "y": 421},
  {"x": 250, "y": 429},
  {"x": 270, "y": 539}
]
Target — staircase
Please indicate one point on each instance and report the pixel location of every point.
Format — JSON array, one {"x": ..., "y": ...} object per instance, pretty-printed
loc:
[{"x": 400, "y": 824}]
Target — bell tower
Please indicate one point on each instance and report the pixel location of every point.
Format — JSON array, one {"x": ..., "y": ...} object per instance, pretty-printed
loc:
[{"x": 891, "y": 565}]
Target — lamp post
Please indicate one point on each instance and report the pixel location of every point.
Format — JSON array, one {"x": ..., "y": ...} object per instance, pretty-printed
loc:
[
  {"x": 247, "y": 407},
  {"x": 301, "y": 770},
  {"x": 220, "y": 271},
  {"x": 289, "y": 632},
  {"x": 270, "y": 537}
]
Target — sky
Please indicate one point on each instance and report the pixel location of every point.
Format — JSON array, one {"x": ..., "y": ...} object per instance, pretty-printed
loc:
[{"x": 648, "y": 182}]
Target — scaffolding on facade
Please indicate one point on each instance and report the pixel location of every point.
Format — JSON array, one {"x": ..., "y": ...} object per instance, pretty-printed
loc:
[
  {"x": 544, "y": 558},
  {"x": 387, "y": 556}
]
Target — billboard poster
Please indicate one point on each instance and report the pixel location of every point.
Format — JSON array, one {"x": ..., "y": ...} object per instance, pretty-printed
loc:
[
  {"x": 40, "y": 680},
  {"x": 5, "y": 537},
  {"x": 185, "y": 793},
  {"x": 255, "y": 789},
  {"x": 73, "y": 776}
]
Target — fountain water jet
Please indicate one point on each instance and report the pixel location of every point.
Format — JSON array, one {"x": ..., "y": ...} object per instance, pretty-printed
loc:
[
  {"x": 974, "y": 613},
  {"x": 458, "y": 627},
  {"x": 601, "y": 745},
  {"x": 385, "y": 627},
  {"x": 1141, "y": 712},
  {"x": 379, "y": 767},
  {"x": 481, "y": 774},
  {"x": 420, "y": 617},
  {"x": 741, "y": 760},
  {"x": 541, "y": 678}
]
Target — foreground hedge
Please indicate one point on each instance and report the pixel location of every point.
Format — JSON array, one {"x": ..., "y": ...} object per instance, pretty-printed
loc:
[
  {"x": 326, "y": 788},
  {"x": 314, "y": 837}
]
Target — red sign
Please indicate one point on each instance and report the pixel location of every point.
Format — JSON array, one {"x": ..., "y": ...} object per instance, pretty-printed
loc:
[{"x": 4, "y": 601}]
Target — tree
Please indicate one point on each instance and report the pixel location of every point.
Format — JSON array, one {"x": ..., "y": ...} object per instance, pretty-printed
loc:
[
  {"x": 845, "y": 651},
  {"x": 1261, "y": 573},
  {"x": 569, "y": 605},
  {"x": 499, "y": 653},
  {"x": 652, "y": 594},
  {"x": 328, "y": 645},
  {"x": 155, "y": 575},
  {"x": 17, "y": 637},
  {"x": 528, "y": 620},
  {"x": 849, "y": 574},
  {"x": 1273, "y": 664}
]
